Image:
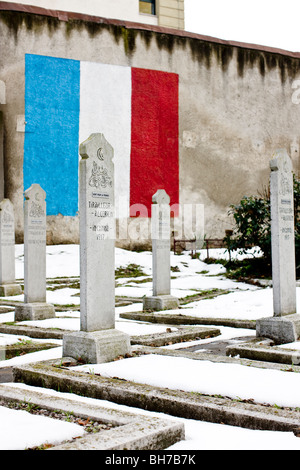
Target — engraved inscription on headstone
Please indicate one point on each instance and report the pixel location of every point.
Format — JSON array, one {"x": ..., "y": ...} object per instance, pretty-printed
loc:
[
  {"x": 282, "y": 233},
  {"x": 8, "y": 285},
  {"x": 97, "y": 341},
  {"x": 35, "y": 306}
]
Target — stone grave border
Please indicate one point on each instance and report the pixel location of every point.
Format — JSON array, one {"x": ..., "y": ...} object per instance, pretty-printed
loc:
[
  {"x": 131, "y": 431},
  {"x": 184, "y": 333},
  {"x": 264, "y": 349},
  {"x": 57, "y": 376},
  {"x": 258, "y": 349}
]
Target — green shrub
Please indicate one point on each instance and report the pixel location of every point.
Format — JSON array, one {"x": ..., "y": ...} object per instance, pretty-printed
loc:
[{"x": 252, "y": 225}]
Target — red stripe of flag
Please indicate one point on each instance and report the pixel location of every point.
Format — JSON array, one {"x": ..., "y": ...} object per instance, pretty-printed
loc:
[{"x": 154, "y": 162}]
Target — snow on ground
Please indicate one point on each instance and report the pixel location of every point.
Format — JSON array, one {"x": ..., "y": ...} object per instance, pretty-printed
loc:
[
  {"x": 21, "y": 430},
  {"x": 210, "y": 378},
  {"x": 240, "y": 305},
  {"x": 243, "y": 302}
]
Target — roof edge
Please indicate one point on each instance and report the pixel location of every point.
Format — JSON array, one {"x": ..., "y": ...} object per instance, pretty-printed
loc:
[{"x": 66, "y": 15}]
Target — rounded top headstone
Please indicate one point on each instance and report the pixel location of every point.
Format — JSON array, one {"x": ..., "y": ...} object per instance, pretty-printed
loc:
[
  {"x": 35, "y": 191},
  {"x": 281, "y": 161},
  {"x": 95, "y": 146},
  {"x": 161, "y": 197}
]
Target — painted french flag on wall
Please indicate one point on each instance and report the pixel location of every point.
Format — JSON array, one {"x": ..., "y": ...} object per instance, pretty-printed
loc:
[{"x": 136, "y": 110}]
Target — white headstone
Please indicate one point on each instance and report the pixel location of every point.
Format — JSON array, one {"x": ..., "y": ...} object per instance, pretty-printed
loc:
[
  {"x": 97, "y": 235},
  {"x": 8, "y": 286},
  {"x": 160, "y": 223},
  {"x": 35, "y": 306},
  {"x": 284, "y": 326},
  {"x": 97, "y": 341},
  {"x": 160, "y": 220},
  {"x": 283, "y": 234},
  {"x": 35, "y": 245}
]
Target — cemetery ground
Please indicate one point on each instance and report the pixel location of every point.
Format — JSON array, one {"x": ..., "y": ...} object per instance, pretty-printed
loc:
[{"x": 197, "y": 366}]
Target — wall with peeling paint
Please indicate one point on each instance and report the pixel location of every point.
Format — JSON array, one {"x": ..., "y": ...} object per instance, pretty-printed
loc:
[{"x": 235, "y": 105}]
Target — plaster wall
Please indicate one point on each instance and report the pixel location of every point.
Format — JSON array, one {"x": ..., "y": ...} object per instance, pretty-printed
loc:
[{"x": 236, "y": 107}]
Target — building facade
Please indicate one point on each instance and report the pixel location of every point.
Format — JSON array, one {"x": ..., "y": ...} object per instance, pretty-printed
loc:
[
  {"x": 196, "y": 116},
  {"x": 165, "y": 13}
]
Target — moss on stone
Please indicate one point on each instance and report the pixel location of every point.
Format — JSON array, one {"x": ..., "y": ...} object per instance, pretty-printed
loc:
[
  {"x": 223, "y": 54},
  {"x": 202, "y": 51},
  {"x": 147, "y": 37},
  {"x": 129, "y": 40},
  {"x": 288, "y": 67},
  {"x": 33, "y": 23}
]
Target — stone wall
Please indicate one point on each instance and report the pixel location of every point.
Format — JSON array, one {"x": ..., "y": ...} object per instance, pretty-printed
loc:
[{"x": 236, "y": 105}]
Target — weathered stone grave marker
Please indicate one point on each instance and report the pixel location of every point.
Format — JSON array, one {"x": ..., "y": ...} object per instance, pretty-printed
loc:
[
  {"x": 284, "y": 326},
  {"x": 97, "y": 341},
  {"x": 35, "y": 306},
  {"x": 8, "y": 286},
  {"x": 160, "y": 227}
]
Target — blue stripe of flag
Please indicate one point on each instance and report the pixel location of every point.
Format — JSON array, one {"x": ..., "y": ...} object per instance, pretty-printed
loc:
[{"x": 52, "y": 104}]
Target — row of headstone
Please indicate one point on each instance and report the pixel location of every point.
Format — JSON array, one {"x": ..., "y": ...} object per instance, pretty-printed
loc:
[
  {"x": 98, "y": 340},
  {"x": 35, "y": 251},
  {"x": 284, "y": 326}
]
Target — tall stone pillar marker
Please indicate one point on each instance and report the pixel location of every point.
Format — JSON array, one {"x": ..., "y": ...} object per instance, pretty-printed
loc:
[
  {"x": 35, "y": 306},
  {"x": 160, "y": 227},
  {"x": 8, "y": 285},
  {"x": 97, "y": 341},
  {"x": 284, "y": 326}
]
